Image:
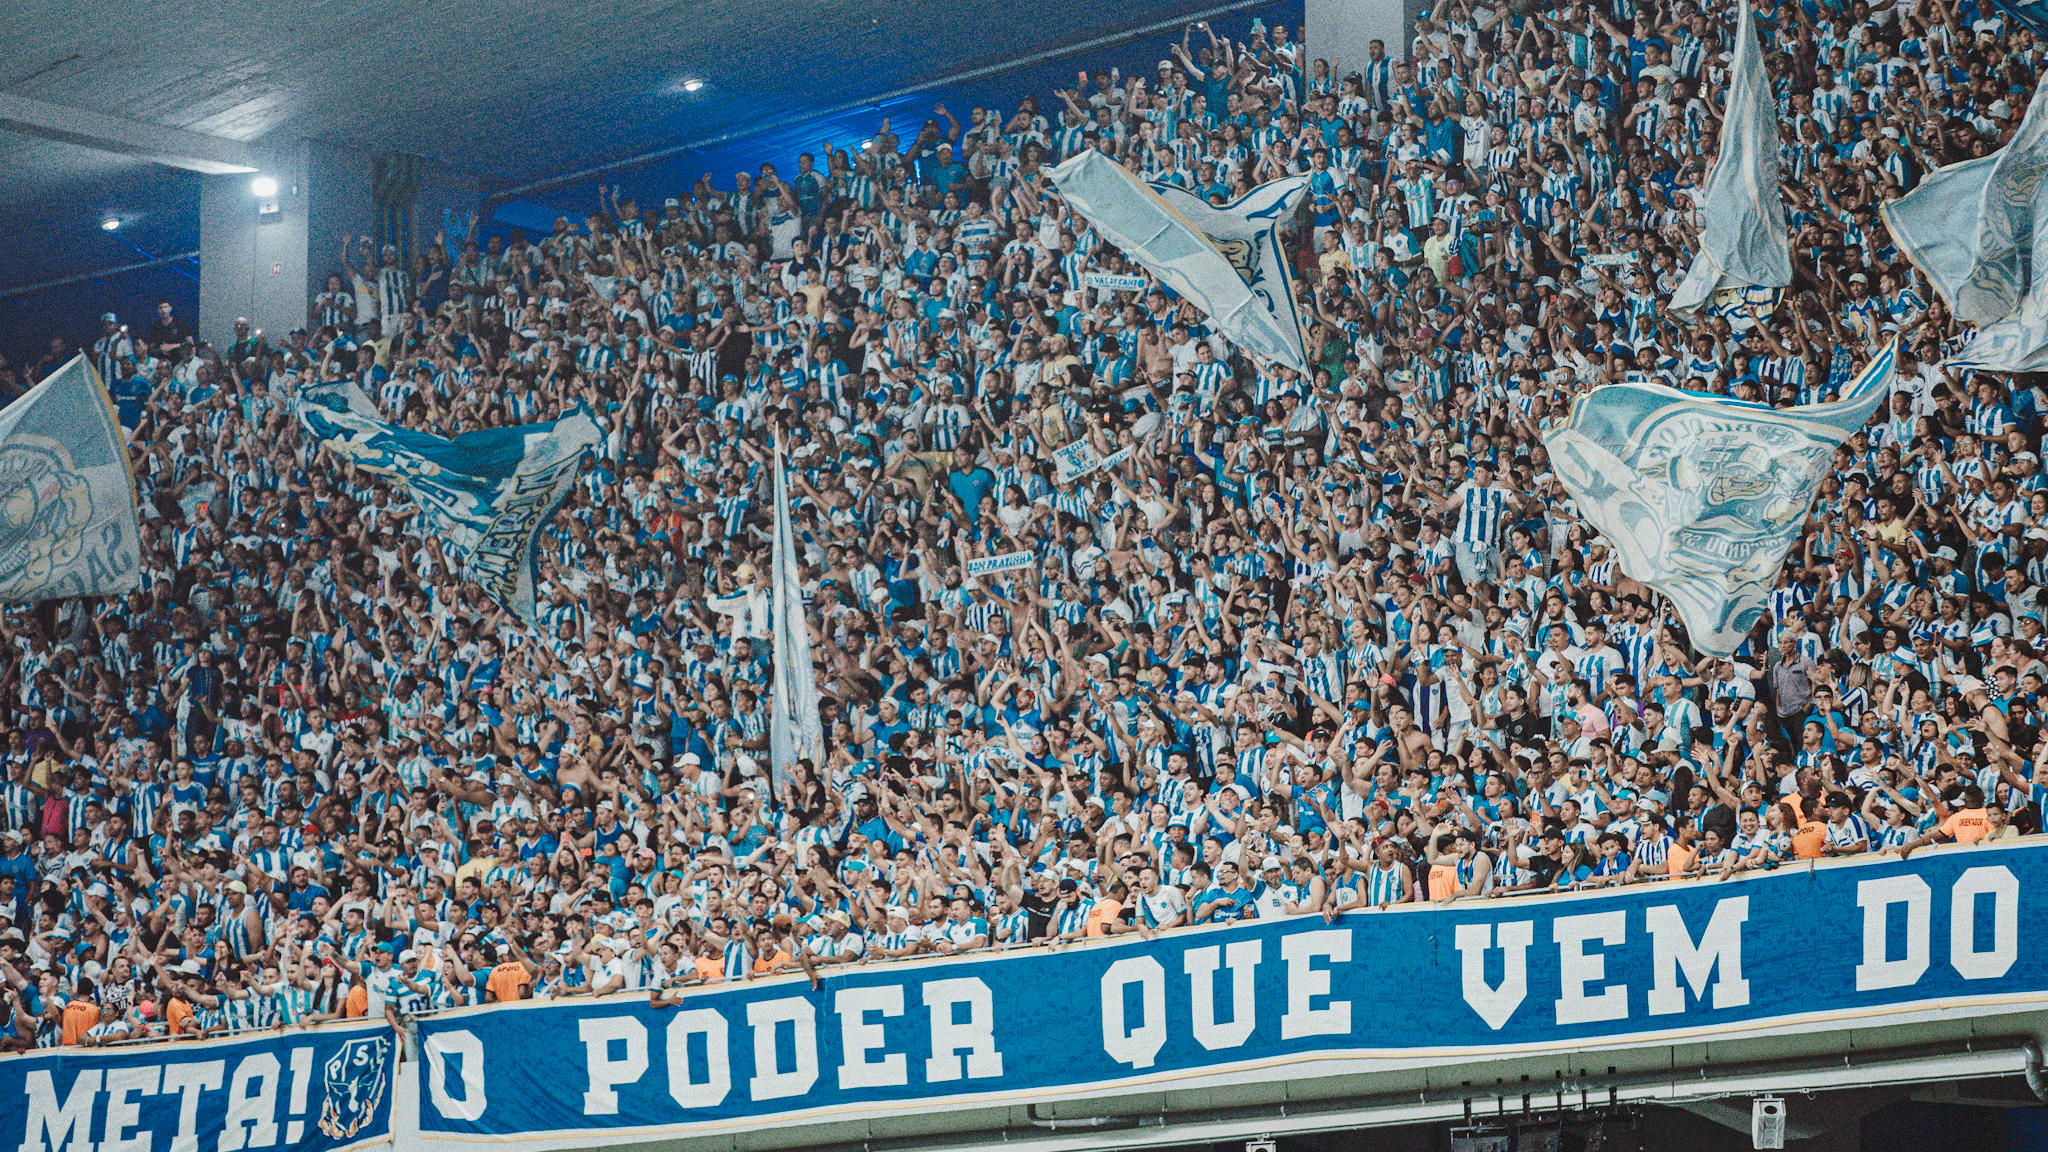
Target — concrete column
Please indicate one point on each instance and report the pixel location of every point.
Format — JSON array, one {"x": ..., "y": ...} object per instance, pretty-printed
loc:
[
  {"x": 267, "y": 266},
  {"x": 1343, "y": 29}
]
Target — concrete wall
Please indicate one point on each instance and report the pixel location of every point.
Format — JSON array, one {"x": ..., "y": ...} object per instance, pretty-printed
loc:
[
  {"x": 266, "y": 268},
  {"x": 338, "y": 204},
  {"x": 1344, "y": 28}
]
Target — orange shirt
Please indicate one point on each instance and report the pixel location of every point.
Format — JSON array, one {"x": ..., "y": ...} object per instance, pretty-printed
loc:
[
  {"x": 508, "y": 981},
  {"x": 710, "y": 969},
  {"x": 78, "y": 1017},
  {"x": 1966, "y": 826},
  {"x": 1809, "y": 840},
  {"x": 356, "y": 1004},
  {"x": 177, "y": 1015},
  {"x": 1443, "y": 881},
  {"x": 1101, "y": 916},
  {"x": 762, "y": 964},
  {"x": 1679, "y": 860}
]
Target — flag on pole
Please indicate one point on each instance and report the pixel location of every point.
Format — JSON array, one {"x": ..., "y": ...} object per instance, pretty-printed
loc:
[
  {"x": 1972, "y": 230},
  {"x": 68, "y": 523},
  {"x": 1701, "y": 496},
  {"x": 487, "y": 494},
  {"x": 794, "y": 729},
  {"x": 1227, "y": 260},
  {"x": 1743, "y": 242}
]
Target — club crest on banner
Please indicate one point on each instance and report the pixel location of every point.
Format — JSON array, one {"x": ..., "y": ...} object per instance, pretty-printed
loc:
[
  {"x": 355, "y": 1085},
  {"x": 46, "y": 503}
]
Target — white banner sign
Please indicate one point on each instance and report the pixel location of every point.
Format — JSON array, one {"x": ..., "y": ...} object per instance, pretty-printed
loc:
[
  {"x": 1112, "y": 283},
  {"x": 1003, "y": 562},
  {"x": 1075, "y": 461}
]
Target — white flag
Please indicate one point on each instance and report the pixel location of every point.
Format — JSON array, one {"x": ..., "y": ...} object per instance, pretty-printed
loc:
[
  {"x": 1227, "y": 260},
  {"x": 67, "y": 495},
  {"x": 794, "y": 730},
  {"x": 1972, "y": 230},
  {"x": 1743, "y": 242}
]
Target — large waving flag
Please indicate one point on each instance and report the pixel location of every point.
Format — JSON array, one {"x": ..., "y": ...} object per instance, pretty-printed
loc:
[
  {"x": 1743, "y": 243},
  {"x": 1702, "y": 496},
  {"x": 1973, "y": 231},
  {"x": 1227, "y": 260},
  {"x": 487, "y": 493},
  {"x": 68, "y": 522},
  {"x": 794, "y": 729}
]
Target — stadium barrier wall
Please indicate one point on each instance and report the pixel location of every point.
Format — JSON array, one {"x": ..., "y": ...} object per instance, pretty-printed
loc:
[{"x": 1826, "y": 951}]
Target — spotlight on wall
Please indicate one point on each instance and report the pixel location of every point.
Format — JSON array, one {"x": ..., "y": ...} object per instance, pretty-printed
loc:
[
  {"x": 110, "y": 223},
  {"x": 263, "y": 186},
  {"x": 693, "y": 85}
]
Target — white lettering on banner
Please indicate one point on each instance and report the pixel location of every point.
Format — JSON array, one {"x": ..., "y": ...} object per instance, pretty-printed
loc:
[
  {"x": 302, "y": 1084},
  {"x": 606, "y": 1073},
  {"x": 1577, "y": 968},
  {"x": 1876, "y": 897},
  {"x": 858, "y": 1037},
  {"x": 54, "y": 1127},
  {"x": 1200, "y": 965},
  {"x": 188, "y": 1081},
  {"x": 1672, "y": 951},
  {"x": 438, "y": 1047},
  {"x": 252, "y": 1115},
  {"x": 1495, "y": 1004},
  {"x": 770, "y": 1081},
  {"x": 1305, "y": 982},
  {"x": 125, "y": 1112},
  {"x": 2003, "y": 887},
  {"x": 1137, "y": 1047},
  {"x": 709, "y": 1023},
  {"x": 962, "y": 1044}
]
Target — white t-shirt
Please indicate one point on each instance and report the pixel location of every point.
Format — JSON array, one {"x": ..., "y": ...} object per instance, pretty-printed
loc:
[{"x": 1162, "y": 906}]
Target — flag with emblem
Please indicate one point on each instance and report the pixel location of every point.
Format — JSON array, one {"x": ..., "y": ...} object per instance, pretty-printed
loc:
[
  {"x": 68, "y": 523},
  {"x": 1227, "y": 259},
  {"x": 1702, "y": 496}
]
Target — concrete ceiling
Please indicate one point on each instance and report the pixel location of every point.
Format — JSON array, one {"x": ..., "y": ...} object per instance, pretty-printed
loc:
[{"x": 512, "y": 90}]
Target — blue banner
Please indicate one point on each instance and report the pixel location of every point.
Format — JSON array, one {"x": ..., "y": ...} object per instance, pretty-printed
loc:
[
  {"x": 1648, "y": 964},
  {"x": 312, "y": 1091}
]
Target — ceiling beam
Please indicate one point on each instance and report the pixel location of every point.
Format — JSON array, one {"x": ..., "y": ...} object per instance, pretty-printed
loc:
[{"x": 176, "y": 147}]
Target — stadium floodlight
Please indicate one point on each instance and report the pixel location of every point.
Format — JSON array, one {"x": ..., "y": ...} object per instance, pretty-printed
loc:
[
  {"x": 263, "y": 186},
  {"x": 110, "y": 223},
  {"x": 693, "y": 85}
]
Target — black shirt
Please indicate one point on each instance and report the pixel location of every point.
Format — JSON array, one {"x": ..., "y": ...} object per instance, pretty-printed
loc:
[
  {"x": 1039, "y": 910},
  {"x": 1527, "y": 729}
]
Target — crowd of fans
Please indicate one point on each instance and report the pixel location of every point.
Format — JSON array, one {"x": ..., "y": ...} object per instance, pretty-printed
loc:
[{"x": 1315, "y": 645}]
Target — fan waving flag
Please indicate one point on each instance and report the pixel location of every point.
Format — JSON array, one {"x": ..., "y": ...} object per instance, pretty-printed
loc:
[
  {"x": 1702, "y": 496},
  {"x": 67, "y": 494},
  {"x": 488, "y": 493},
  {"x": 1227, "y": 260},
  {"x": 1972, "y": 230},
  {"x": 794, "y": 729},
  {"x": 1743, "y": 243}
]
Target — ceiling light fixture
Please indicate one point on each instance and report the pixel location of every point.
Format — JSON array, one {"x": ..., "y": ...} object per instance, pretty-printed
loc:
[
  {"x": 263, "y": 186},
  {"x": 110, "y": 223}
]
